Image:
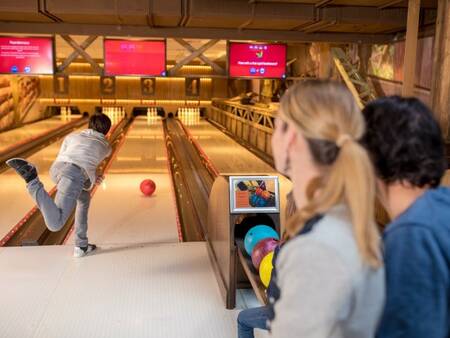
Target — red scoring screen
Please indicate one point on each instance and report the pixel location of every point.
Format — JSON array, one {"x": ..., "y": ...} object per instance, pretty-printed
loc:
[
  {"x": 257, "y": 60},
  {"x": 32, "y": 55},
  {"x": 128, "y": 57}
]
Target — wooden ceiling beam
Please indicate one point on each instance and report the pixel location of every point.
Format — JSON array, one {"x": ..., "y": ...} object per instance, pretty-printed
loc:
[
  {"x": 83, "y": 53},
  {"x": 391, "y": 3},
  {"x": 323, "y": 3},
  {"x": 190, "y": 48},
  {"x": 194, "y": 54},
  {"x": 84, "y": 45},
  {"x": 194, "y": 33}
]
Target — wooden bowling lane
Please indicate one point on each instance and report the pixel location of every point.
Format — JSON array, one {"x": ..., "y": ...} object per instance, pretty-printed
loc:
[
  {"x": 14, "y": 199},
  {"x": 119, "y": 213},
  {"x": 230, "y": 158},
  {"x": 227, "y": 155},
  {"x": 31, "y": 130}
]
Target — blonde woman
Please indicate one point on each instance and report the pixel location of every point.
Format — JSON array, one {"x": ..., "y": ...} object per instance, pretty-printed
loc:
[{"x": 330, "y": 273}]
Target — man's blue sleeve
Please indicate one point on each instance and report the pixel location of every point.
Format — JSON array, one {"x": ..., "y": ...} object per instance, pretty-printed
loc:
[{"x": 416, "y": 276}]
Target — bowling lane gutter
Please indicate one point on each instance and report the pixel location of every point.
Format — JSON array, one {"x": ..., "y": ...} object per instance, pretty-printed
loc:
[
  {"x": 246, "y": 263},
  {"x": 191, "y": 180},
  {"x": 31, "y": 229},
  {"x": 31, "y": 145}
]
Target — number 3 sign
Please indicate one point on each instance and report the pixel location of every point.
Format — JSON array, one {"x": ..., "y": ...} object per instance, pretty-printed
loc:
[{"x": 148, "y": 86}]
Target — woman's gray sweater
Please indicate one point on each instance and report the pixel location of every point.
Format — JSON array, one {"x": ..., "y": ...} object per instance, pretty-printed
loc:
[{"x": 326, "y": 289}]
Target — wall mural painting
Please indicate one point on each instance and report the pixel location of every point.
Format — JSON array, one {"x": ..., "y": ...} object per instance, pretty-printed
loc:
[
  {"x": 18, "y": 101},
  {"x": 381, "y": 62}
]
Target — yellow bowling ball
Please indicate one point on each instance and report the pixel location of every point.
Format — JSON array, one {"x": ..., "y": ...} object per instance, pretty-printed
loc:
[{"x": 265, "y": 269}]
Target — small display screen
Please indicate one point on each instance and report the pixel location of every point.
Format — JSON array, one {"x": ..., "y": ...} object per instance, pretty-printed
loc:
[
  {"x": 135, "y": 57},
  {"x": 256, "y": 60},
  {"x": 26, "y": 55},
  {"x": 250, "y": 194}
]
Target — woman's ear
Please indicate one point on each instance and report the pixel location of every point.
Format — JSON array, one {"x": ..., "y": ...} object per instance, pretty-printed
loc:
[{"x": 291, "y": 137}]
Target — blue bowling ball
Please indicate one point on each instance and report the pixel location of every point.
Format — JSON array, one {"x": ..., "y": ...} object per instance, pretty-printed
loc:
[{"x": 256, "y": 234}]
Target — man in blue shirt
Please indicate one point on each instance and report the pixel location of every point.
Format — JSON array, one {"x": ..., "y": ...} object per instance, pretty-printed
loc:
[{"x": 406, "y": 146}]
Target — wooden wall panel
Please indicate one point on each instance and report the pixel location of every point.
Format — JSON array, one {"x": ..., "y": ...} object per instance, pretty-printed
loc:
[
  {"x": 261, "y": 140},
  {"x": 424, "y": 62},
  {"x": 441, "y": 78},
  {"x": 387, "y": 88},
  {"x": 88, "y": 87}
]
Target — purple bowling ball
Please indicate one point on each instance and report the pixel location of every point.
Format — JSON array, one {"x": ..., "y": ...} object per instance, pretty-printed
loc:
[{"x": 262, "y": 249}]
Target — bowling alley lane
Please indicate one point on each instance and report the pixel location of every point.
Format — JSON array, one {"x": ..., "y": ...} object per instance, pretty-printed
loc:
[
  {"x": 120, "y": 214},
  {"x": 15, "y": 199},
  {"x": 230, "y": 158},
  {"x": 31, "y": 130}
]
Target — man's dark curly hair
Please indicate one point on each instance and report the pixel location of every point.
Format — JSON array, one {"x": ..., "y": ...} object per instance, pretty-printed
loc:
[
  {"x": 404, "y": 141},
  {"x": 100, "y": 123}
]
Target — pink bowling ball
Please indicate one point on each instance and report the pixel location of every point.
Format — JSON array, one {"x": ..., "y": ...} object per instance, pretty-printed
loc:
[{"x": 262, "y": 249}]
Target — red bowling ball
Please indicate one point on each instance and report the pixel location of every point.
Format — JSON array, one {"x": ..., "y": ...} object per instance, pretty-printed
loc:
[
  {"x": 148, "y": 187},
  {"x": 262, "y": 249}
]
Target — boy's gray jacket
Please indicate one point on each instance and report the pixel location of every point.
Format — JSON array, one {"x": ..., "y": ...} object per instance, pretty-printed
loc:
[{"x": 87, "y": 150}]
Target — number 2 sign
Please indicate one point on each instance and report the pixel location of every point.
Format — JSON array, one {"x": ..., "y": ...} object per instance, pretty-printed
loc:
[{"x": 107, "y": 85}]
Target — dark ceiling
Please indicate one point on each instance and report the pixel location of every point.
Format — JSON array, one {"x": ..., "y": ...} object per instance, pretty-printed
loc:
[{"x": 286, "y": 20}]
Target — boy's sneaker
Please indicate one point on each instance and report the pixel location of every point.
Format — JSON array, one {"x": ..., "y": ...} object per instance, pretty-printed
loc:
[
  {"x": 83, "y": 251},
  {"x": 24, "y": 168}
]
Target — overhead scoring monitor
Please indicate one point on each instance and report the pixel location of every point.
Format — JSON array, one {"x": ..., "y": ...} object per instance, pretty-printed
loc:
[
  {"x": 26, "y": 55},
  {"x": 256, "y": 60},
  {"x": 135, "y": 57}
]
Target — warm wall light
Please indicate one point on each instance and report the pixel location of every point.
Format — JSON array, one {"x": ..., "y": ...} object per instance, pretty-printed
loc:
[
  {"x": 63, "y": 101},
  {"x": 174, "y": 79},
  {"x": 191, "y": 67},
  {"x": 83, "y": 64},
  {"x": 128, "y": 78},
  {"x": 84, "y": 77}
]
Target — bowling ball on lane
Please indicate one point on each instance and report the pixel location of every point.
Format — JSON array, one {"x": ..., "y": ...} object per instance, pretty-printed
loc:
[
  {"x": 265, "y": 269},
  {"x": 147, "y": 187},
  {"x": 256, "y": 234},
  {"x": 262, "y": 249}
]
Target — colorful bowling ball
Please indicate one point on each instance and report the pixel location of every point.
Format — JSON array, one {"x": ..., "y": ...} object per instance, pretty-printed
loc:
[
  {"x": 148, "y": 187},
  {"x": 265, "y": 269},
  {"x": 256, "y": 234},
  {"x": 262, "y": 249}
]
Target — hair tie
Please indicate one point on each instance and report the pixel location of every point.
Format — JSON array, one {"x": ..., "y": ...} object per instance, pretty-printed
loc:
[{"x": 342, "y": 139}]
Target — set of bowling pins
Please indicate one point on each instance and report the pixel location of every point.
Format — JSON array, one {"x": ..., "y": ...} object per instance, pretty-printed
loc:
[
  {"x": 114, "y": 113},
  {"x": 152, "y": 115},
  {"x": 66, "y": 113},
  {"x": 189, "y": 116}
]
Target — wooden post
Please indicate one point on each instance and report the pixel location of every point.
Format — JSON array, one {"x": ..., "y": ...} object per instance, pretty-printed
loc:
[
  {"x": 364, "y": 52},
  {"x": 324, "y": 60},
  {"x": 440, "y": 86},
  {"x": 412, "y": 32}
]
